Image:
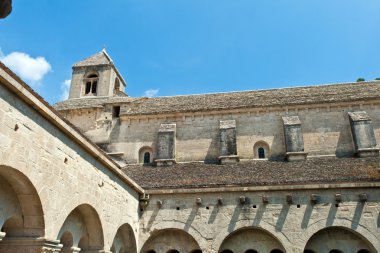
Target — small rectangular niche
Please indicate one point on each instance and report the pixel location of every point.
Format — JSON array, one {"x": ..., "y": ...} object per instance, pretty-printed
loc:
[{"x": 116, "y": 112}]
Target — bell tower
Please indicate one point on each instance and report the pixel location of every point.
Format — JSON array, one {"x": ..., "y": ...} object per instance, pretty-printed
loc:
[{"x": 96, "y": 76}]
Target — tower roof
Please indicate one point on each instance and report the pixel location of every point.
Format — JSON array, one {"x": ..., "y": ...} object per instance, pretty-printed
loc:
[{"x": 100, "y": 58}]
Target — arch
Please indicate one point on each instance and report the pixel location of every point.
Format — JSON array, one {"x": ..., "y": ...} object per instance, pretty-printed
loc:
[
  {"x": 22, "y": 213},
  {"x": 261, "y": 150},
  {"x": 170, "y": 240},
  {"x": 308, "y": 251},
  {"x": 90, "y": 82},
  {"x": 251, "y": 251},
  {"x": 251, "y": 239},
  {"x": 337, "y": 239},
  {"x": 276, "y": 251},
  {"x": 84, "y": 225},
  {"x": 124, "y": 241},
  {"x": 145, "y": 155},
  {"x": 227, "y": 251}
]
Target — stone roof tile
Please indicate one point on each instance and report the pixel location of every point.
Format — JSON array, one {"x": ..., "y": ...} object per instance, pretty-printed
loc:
[
  {"x": 346, "y": 92},
  {"x": 256, "y": 173}
]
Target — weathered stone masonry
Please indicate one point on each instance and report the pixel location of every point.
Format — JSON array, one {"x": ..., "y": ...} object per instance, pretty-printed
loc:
[{"x": 225, "y": 185}]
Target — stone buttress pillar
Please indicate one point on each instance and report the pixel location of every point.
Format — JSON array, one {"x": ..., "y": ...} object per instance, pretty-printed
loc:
[
  {"x": 228, "y": 148},
  {"x": 363, "y": 134},
  {"x": 293, "y": 139},
  {"x": 166, "y": 145}
]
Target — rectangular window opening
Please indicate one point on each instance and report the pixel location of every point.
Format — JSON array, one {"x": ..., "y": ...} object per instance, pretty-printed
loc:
[{"x": 116, "y": 112}]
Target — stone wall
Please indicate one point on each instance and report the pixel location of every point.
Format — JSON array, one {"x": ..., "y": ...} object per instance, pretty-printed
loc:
[
  {"x": 326, "y": 131},
  {"x": 55, "y": 172},
  {"x": 239, "y": 220}
]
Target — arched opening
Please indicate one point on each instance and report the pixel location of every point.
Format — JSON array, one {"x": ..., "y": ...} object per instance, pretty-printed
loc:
[
  {"x": 91, "y": 84},
  {"x": 337, "y": 240},
  {"x": 170, "y": 240},
  {"x": 83, "y": 228},
  {"x": 308, "y": 251},
  {"x": 145, "y": 155},
  {"x": 261, "y": 150},
  {"x": 21, "y": 212},
  {"x": 124, "y": 241},
  {"x": 227, "y": 251},
  {"x": 196, "y": 251},
  {"x": 251, "y": 239},
  {"x": 151, "y": 251}
]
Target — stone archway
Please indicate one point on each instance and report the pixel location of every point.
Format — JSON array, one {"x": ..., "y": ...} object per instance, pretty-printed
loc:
[
  {"x": 170, "y": 240},
  {"x": 22, "y": 216},
  {"x": 337, "y": 239},
  {"x": 82, "y": 230},
  {"x": 250, "y": 239},
  {"x": 124, "y": 241}
]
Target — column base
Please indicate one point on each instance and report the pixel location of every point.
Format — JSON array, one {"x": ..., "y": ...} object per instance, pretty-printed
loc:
[
  {"x": 367, "y": 152},
  {"x": 29, "y": 245},
  {"x": 296, "y": 156},
  {"x": 228, "y": 159}
]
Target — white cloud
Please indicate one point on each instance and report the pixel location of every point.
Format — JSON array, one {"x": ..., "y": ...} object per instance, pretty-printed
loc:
[
  {"x": 151, "y": 93},
  {"x": 28, "y": 68},
  {"x": 65, "y": 88}
]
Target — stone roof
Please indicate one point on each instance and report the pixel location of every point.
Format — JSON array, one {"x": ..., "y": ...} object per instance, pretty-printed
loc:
[
  {"x": 256, "y": 173},
  {"x": 346, "y": 92},
  {"x": 91, "y": 102},
  {"x": 100, "y": 58}
]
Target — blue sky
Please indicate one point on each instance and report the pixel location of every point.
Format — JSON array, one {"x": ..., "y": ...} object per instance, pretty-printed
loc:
[{"x": 178, "y": 47}]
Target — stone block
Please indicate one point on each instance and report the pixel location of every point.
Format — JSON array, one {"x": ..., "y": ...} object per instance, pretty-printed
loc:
[{"x": 363, "y": 134}]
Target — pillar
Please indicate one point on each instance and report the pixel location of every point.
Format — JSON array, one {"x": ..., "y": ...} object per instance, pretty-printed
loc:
[
  {"x": 363, "y": 134},
  {"x": 228, "y": 148},
  {"x": 166, "y": 145},
  {"x": 293, "y": 139}
]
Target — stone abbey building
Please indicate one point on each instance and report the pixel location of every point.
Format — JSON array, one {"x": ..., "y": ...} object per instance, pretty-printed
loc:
[{"x": 292, "y": 170}]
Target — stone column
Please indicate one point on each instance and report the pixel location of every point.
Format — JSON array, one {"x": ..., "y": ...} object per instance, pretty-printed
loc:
[
  {"x": 228, "y": 148},
  {"x": 166, "y": 145},
  {"x": 293, "y": 139},
  {"x": 2, "y": 235},
  {"x": 70, "y": 250},
  {"x": 29, "y": 245},
  {"x": 363, "y": 134}
]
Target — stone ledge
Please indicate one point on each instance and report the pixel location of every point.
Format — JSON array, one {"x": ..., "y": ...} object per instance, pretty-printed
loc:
[
  {"x": 367, "y": 152},
  {"x": 228, "y": 159},
  {"x": 296, "y": 156},
  {"x": 164, "y": 162}
]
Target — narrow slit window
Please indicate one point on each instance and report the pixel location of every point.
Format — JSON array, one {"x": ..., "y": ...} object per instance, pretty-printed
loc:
[
  {"x": 261, "y": 153},
  {"x": 146, "y": 158}
]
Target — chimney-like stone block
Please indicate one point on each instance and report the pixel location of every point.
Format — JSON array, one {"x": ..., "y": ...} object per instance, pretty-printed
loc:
[
  {"x": 293, "y": 139},
  {"x": 363, "y": 134},
  {"x": 228, "y": 148},
  {"x": 166, "y": 145}
]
